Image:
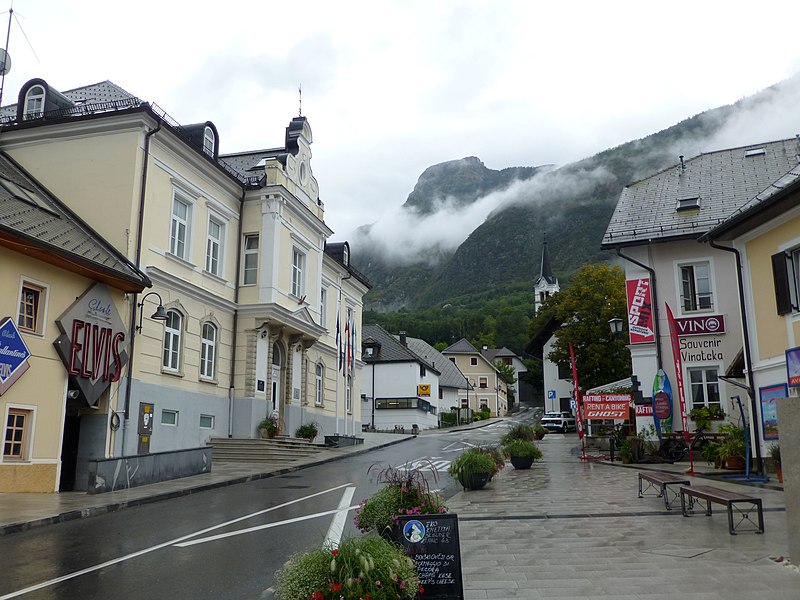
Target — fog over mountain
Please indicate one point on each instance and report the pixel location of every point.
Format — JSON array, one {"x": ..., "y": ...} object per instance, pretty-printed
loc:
[{"x": 466, "y": 229}]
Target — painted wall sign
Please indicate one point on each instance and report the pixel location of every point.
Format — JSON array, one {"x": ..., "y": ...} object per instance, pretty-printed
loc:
[
  {"x": 644, "y": 410},
  {"x": 700, "y": 325},
  {"x": 640, "y": 311},
  {"x": 700, "y": 350},
  {"x": 93, "y": 342},
  {"x": 14, "y": 354},
  {"x": 607, "y": 406}
]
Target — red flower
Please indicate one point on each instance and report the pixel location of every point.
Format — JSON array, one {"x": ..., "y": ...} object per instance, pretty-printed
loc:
[
  {"x": 335, "y": 552},
  {"x": 317, "y": 596},
  {"x": 335, "y": 586},
  {"x": 421, "y": 590}
]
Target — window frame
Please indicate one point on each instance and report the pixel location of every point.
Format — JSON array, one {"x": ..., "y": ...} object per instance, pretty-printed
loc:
[
  {"x": 473, "y": 361},
  {"x": 28, "y": 415},
  {"x": 27, "y": 113},
  {"x": 786, "y": 279},
  {"x": 171, "y": 412},
  {"x": 319, "y": 384},
  {"x": 483, "y": 382},
  {"x": 209, "y": 141},
  {"x": 217, "y": 244},
  {"x": 695, "y": 304},
  {"x": 208, "y": 346},
  {"x": 704, "y": 385},
  {"x": 250, "y": 252},
  {"x": 213, "y": 421},
  {"x": 176, "y": 221},
  {"x": 42, "y": 291},
  {"x": 299, "y": 261},
  {"x": 175, "y": 338},
  {"x": 323, "y": 307}
]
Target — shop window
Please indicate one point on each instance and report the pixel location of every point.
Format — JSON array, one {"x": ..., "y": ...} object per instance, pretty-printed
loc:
[{"x": 704, "y": 383}]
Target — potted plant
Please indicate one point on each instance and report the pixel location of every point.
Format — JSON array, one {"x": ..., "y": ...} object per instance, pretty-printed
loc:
[
  {"x": 522, "y": 453},
  {"x": 711, "y": 454},
  {"x": 703, "y": 415},
  {"x": 775, "y": 455},
  {"x": 539, "y": 431},
  {"x": 361, "y": 567},
  {"x": 307, "y": 431},
  {"x": 473, "y": 468},
  {"x": 732, "y": 446},
  {"x": 406, "y": 493},
  {"x": 520, "y": 431},
  {"x": 269, "y": 427},
  {"x": 626, "y": 450}
]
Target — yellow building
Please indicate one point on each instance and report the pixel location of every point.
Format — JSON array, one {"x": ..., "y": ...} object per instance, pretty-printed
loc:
[
  {"x": 765, "y": 236},
  {"x": 246, "y": 289},
  {"x": 487, "y": 389}
]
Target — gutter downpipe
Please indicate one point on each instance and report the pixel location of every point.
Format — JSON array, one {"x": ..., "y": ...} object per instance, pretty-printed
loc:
[
  {"x": 746, "y": 339},
  {"x": 235, "y": 317},
  {"x": 656, "y": 326},
  {"x": 139, "y": 234}
]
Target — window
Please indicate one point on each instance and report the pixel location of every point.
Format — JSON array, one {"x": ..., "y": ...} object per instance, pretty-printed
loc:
[
  {"x": 441, "y": 393},
  {"x": 214, "y": 245},
  {"x": 422, "y": 371},
  {"x": 169, "y": 417},
  {"x": 786, "y": 277},
  {"x": 691, "y": 203},
  {"x": 705, "y": 386},
  {"x": 473, "y": 361},
  {"x": 250, "y": 276},
  {"x": 34, "y": 102},
  {"x": 15, "y": 442},
  {"x": 483, "y": 382},
  {"x": 179, "y": 229},
  {"x": 208, "y": 351},
  {"x": 208, "y": 141},
  {"x": 465, "y": 403},
  {"x": 31, "y": 308},
  {"x": 696, "y": 287},
  {"x": 298, "y": 269},
  {"x": 172, "y": 341},
  {"x": 323, "y": 307},
  {"x": 484, "y": 403},
  {"x": 206, "y": 421},
  {"x": 319, "y": 378}
]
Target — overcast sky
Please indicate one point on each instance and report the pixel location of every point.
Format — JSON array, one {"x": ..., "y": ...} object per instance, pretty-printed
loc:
[{"x": 392, "y": 87}]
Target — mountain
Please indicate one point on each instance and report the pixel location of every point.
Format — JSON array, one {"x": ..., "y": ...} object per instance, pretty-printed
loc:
[{"x": 571, "y": 205}]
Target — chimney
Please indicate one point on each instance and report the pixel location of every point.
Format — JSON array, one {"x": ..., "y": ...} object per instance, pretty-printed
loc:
[
  {"x": 485, "y": 348},
  {"x": 403, "y": 338}
]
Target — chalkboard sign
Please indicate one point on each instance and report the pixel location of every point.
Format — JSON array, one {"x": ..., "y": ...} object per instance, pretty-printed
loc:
[{"x": 431, "y": 541}]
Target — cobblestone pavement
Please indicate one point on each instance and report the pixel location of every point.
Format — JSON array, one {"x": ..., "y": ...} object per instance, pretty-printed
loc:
[{"x": 569, "y": 528}]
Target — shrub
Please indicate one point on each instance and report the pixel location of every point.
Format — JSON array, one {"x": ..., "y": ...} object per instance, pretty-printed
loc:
[
  {"x": 476, "y": 460},
  {"x": 520, "y": 431},
  {"x": 522, "y": 449},
  {"x": 405, "y": 493},
  {"x": 360, "y": 567},
  {"x": 270, "y": 425},
  {"x": 307, "y": 431}
]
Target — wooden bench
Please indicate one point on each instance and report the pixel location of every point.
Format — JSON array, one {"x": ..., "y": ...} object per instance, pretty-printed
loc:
[
  {"x": 731, "y": 500},
  {"x": 662, "y": 481}
]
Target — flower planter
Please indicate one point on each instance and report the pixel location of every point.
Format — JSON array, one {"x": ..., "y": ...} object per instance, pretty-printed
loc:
[
  {"x": 522, "y": 462},
  {"x": 735, "y": 463},
  {"x": 474, "y": 481}
]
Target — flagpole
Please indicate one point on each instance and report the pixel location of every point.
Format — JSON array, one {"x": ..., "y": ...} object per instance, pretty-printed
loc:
[{"x": 338, "y": 361}]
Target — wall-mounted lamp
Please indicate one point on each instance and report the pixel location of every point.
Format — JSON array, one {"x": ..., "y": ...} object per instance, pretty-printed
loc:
[
  {"x": 159, "y": 315},
  {"x": 616, "y": 325}
]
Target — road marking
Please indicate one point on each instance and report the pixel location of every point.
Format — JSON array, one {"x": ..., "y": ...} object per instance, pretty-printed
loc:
[
  {"x": 336, "y": 529},
  {"x": 115, "y": 561}
]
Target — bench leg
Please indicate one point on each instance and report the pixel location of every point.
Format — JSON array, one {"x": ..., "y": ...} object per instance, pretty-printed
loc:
[
  {"x": 684, "y": 510},
  {"x": 756, "y": 505},
  {"x": 668, "y": 501}
]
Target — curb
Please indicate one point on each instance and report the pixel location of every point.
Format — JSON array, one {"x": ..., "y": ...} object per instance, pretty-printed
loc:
[{"x": 117, "y": 506}]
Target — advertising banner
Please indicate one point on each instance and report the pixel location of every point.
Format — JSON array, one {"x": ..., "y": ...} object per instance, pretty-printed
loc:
[
  {"x": 676, "y": 354},
  {"x": 14, "y": 354},
  {"x": 793, "y": 367},
  {"x": 606, "y": 406},
  {"x": 640, "y": 311}
]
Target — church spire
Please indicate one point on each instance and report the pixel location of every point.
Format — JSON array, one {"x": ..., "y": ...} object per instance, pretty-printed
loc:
[
  {"x": 547, "y": 284},
  {"x": 546, "y": 272}
]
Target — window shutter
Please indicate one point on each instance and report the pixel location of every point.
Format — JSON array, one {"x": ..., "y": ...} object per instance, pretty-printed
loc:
[{"x": 780, "y": 275}]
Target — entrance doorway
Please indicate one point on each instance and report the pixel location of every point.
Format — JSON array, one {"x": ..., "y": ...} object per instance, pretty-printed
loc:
[
  {"x": 276, "y": 397},
  {"x": 69, "y": 447}
]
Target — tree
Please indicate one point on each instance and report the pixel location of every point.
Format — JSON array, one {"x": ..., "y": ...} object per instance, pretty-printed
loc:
[{"x": 595, "y": 294}]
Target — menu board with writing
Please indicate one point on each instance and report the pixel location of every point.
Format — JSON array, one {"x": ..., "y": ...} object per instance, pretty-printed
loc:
[{"x": 431, "y": 541}]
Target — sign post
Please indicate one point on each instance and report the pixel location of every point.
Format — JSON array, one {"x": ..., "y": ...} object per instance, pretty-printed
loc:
[{"x": 431, "y": 541}]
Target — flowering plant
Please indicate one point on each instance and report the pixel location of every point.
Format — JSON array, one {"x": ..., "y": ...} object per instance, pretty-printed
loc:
[
  {"x": 406, "y": 493},
  {"x": 364, "y": 568}
]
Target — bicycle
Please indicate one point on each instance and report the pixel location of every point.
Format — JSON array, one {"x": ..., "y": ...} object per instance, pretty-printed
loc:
[{"x": 675, "y": 448}]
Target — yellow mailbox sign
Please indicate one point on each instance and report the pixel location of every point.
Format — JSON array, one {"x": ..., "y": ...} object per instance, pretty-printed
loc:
[{"x": 424, "y": 389}]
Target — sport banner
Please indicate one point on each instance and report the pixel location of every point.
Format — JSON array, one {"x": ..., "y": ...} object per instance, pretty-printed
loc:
[
  {"x": 606, "y": 406},
  {"x": 640, "y": 311}
]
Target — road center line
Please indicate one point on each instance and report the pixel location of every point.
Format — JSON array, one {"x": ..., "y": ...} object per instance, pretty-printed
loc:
[
  {"x": 115, "y": 561},
  {"x": 336, "y": 529}
]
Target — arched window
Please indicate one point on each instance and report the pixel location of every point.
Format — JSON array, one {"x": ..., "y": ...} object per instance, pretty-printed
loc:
[
  {"x": 208, "y": 141},
  {"x": 276, "y": 355},
  {"x": 34, "y": 102},
  {"x": 208, "y": 351},
  {"x": 319, "y": 394},
  {"x": 172, "y": 341}
]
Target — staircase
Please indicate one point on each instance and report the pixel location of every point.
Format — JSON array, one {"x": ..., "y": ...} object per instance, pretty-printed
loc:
[{"x": 279, "y": 450}]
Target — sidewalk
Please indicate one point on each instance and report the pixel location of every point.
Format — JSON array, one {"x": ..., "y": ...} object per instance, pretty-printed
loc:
[
  {"x": 576, "y": 529},
  {"x": 24, "y": 511}
]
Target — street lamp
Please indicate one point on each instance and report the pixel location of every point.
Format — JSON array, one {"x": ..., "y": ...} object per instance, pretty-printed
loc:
[
  {"x": 615, "y": 324},
  {"x": 159, "y": 315}
]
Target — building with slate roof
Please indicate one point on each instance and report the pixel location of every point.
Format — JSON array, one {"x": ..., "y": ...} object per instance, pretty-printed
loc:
[
  {"x": 488, "y": 389},
  {"x": 50, "y": 257},
  {"x": 655, "y": 228},
  {"x": 401, "y": 387},
  {"x": 256, "y": 303}
]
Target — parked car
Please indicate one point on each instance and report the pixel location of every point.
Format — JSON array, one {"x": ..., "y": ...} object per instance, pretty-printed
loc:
[{"x": 559, "y": 421}]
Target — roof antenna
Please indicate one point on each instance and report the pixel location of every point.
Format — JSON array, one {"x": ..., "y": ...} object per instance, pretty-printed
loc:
[
  {"x": 300, "y": 91},
  {"x": 5, "y": 59}
]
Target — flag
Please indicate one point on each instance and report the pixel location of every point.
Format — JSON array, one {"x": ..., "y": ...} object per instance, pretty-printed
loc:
[
  {"x": 347, "y": 346},
  {"x": 338, "y": 344},
  {"x": 353, "y": 345}
]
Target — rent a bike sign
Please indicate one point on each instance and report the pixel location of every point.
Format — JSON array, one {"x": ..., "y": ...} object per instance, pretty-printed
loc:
[{"x": 606, "y": 406}]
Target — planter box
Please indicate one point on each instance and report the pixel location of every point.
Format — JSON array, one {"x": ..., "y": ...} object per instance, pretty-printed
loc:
[{"x": 338, "y": 441}]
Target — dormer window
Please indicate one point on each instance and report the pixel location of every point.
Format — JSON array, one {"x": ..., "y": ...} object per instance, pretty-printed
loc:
[
  {"x": 208, "y": 141},
  {"x": 345, "y": 255},
  {"x": 34, "y": 102},
  {"x": 755, "y": 152},
  {"x": 692, "y": 203}
]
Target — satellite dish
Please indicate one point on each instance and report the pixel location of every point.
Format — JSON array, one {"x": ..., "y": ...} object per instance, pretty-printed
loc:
[{"x": 5, "y": 62}]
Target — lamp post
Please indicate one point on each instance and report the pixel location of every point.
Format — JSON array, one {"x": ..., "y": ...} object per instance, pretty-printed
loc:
[
  {"x": 615, "y": 324},
  {"x": 159, "y": 315}
]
